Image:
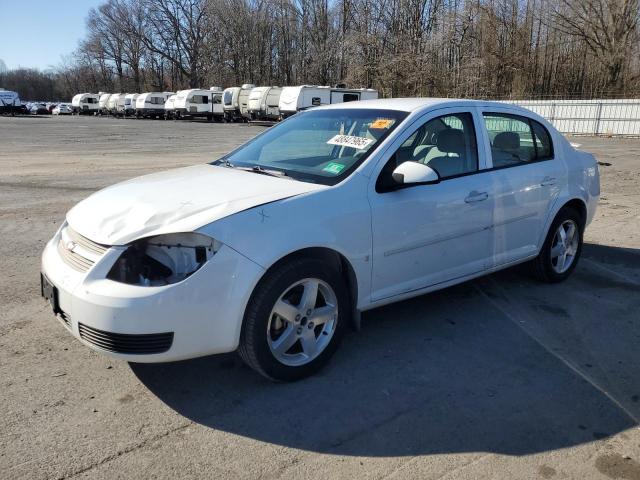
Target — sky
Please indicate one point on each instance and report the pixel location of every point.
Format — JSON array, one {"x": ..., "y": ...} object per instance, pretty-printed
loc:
[{"x": 37, "y": 33}]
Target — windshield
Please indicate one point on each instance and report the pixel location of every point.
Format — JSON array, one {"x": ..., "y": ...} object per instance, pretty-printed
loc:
[{"x": 321, "y": 146}]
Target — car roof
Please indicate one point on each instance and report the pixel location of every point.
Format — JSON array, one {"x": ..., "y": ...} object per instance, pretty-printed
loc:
[{"x": 417, "y": 103}]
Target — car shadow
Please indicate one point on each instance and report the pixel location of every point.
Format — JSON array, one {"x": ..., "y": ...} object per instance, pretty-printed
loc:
[{"x": 451, "y": 371}]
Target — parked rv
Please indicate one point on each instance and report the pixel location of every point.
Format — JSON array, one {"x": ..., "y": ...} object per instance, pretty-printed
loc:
[
  {"x": 199, "y": 103},
  {"x": 230, "y": 104},
  {"x": 263, "y": 103},
  {"x": 9, "y": 102},
  {"x": 236, "y": 101},
  {"x": 150, "y": 105},
  {"x": 115, "y": 104},
  {"x": 294, "y": 99},
  {"x": 85, "y": 103},
  {"x": 169, "y": 107},
  {"x": 130, "y": 103},
  {"x": 102, "y": 103}
]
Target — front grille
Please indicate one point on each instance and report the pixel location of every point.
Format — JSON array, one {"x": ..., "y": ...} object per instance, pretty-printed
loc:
[
  {"x": 74, "y": 260},
  {"x": 77, "y": 251},
  {"x": 137, "y": 344},
  {"x": 84, "y": 242}
]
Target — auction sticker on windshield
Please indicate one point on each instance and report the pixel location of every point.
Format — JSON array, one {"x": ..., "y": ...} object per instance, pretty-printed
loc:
[
  {"x": 381, "y": 123},
  {"x": 350, "y": 141}
]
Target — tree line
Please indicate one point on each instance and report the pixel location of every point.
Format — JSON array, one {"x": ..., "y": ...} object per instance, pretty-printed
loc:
[{"x": 464, "y": 48}]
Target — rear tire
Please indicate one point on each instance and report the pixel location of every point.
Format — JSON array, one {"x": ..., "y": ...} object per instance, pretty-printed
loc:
[
  {"x": 295, "y": 320},
  {"x": 561, "y": 249}
]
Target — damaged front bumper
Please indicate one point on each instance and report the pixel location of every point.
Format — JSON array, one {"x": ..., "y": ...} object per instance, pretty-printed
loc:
[{"x": 198, "y": 316}]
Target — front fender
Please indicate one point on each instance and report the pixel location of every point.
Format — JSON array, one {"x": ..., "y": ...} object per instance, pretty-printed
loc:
[{"x": 336, "y": 218}]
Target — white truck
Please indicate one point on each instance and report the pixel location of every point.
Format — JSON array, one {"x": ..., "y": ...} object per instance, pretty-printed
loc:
[
  {"x": 236, "y": 101},
  {"x": 199, "y": 103},
  {"x": 263, "y": 103},
  {"x": 85, "y": 104},
  {"x": 9, "y": 102},
  {"x": 294, "y": 99}
]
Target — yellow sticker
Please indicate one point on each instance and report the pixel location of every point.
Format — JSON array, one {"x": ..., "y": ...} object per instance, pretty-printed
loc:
[{"x": 381, "y": 123}]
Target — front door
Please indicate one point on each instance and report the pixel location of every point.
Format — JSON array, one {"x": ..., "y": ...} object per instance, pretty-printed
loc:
[{"x": 425, "y": 235}]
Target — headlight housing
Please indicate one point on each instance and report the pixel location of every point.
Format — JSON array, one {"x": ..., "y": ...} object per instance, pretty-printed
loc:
[{"x": 163, "y": 259}]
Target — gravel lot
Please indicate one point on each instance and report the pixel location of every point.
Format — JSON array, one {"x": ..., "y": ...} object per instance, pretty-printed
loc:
[{"x": 501, "y": 377}]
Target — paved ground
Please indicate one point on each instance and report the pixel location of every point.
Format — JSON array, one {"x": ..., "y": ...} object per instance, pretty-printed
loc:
[{"x": 497, "y": 378}]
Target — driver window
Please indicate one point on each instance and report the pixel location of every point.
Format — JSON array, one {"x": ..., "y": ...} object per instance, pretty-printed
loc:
[{"x": 447, "y": 144}]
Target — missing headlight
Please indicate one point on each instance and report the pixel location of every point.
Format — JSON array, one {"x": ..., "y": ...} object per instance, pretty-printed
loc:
[{"x": 163, "y": 259}]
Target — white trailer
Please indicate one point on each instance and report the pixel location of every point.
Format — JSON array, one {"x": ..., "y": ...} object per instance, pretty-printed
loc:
[
  {"x": 115, "y": 103},
  {"x": 85, "y": 103},
  {"x": 150, "y": 105},
  {"x": 199, "y": 103},
  {"x": 236, "y": 102},
  {"x": 130, "y": 103},
  {"x": 102, "y": 103},
  {"x": 294, "y": 99},
  {"x": 263, "y": 103},
  {"x": 169, "y": 107},
  {"x": 9, "y": 102}
]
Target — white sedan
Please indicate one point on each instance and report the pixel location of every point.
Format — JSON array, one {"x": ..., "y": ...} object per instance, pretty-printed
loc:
[{"x": 277, "y": 247}]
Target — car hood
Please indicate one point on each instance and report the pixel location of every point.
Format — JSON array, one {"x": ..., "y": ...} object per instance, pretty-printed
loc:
[{"x": 179, "y": 200}]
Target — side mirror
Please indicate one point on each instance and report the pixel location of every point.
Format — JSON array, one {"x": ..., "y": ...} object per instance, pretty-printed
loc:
[{"x": 408, "y": 173}]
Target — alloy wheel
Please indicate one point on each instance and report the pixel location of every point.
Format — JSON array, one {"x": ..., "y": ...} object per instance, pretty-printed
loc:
[
  {"x": 564, "y": 246},
  {"x": 302, "y": 322}
]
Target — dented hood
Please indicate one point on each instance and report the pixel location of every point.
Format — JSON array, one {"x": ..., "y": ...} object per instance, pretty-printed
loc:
[{"x": 180, "y": 200}]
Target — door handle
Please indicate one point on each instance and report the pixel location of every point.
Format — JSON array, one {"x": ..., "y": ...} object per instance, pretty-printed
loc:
[
  {"x": 546, "y": 181},
  {"x": 476, "y": 197}
]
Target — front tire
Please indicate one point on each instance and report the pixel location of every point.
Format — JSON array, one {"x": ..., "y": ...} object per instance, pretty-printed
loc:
[
  {"x": 561, "y": 249},
  {"x": 295, "y": 320}
]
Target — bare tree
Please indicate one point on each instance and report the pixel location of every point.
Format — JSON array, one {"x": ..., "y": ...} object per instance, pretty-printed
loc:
[{"x": 609, "y": 29}]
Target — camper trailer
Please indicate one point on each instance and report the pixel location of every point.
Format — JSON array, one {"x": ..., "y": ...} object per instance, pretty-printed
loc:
[
  {"x": 169, "y": 107},
  {"x": 102, "y": 103},
  {"x": 263, "y": 103},
  {"x": 150, "y": 105},
  {"x": 85, "y": 103},
  {"x": 230, "y": 102},
  {"x": 294, "y": 99},
  {"x": 243, "y": 99},
  {"x": 199, "y": 103},
  {"x": 130, "y": 104},
  {"x": 236, "y": 101},
  {"x": 115, "y": 103},
  {"x": 9, "y": 102},
  {"x": 121, "y": 104}
]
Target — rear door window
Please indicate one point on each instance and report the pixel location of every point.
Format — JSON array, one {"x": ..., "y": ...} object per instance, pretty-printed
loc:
[{"x": 516, "y": 140}]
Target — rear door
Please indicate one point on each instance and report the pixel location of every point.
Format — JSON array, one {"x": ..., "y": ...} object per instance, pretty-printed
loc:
[
  {"x": 424, "y": 235},
  {"x": 526, "y": 178}
]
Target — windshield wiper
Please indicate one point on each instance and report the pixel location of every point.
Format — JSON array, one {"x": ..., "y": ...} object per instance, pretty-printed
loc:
[
  {"x": 255, "y": 169},
  {"x": 265, "y": 171},
  {"x": 225, "y": 163}
]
